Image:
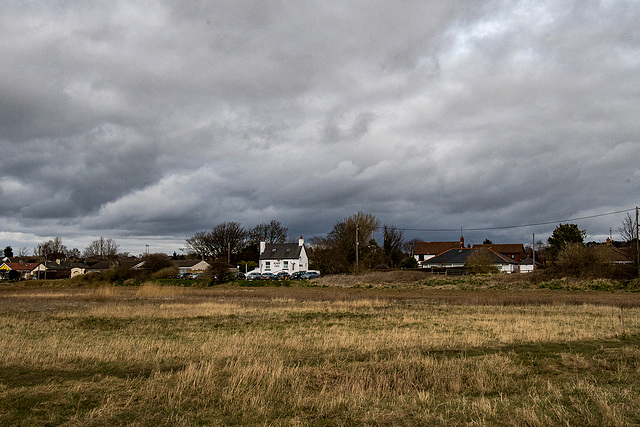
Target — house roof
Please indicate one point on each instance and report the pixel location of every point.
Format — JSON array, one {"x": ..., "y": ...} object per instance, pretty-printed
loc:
[
  {"x": 27, "y": 266},
  {"x": 460, "y": 255},
  {"x": 102, "y": 265},
  {"x": 503, "y": 248},
  {"x": 281, "y": 251},
  {"x": 435, "y": 248},
  {"x": 186, "y": 262},
  {"x": 618, "y": 256},
  {"x": 65, "y": 265}
]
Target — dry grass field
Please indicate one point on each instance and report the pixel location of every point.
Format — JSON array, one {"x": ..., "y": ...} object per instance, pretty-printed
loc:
[{"x": 331, "y": 354}]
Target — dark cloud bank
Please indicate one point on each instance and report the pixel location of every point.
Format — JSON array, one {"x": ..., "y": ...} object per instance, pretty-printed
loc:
[{"x": 149, "y": 122}]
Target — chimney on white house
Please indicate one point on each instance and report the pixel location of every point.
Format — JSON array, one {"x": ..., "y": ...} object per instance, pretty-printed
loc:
[
  {"x": 263, "y": 245},
  {"x": 301, "y": 241},
  {"x": 462, "y": 241}
]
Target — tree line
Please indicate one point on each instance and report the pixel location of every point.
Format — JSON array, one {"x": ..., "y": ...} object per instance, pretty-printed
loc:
[
  {"x": 348, "y": 246},
  {"x": 53, "y": 249},
  {"x": 568, "y": 254}
]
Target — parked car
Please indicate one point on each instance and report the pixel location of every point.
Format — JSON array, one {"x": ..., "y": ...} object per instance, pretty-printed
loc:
[
  {"x": 240, "y": 275},
  {"x": 268, "y": 276},
  {"x": 282, "y": 275},
  {"x": 311, "y": 274},
  {"x": 183, "y": 275},
  {"x": 297, "y": 275},
  {"x": 254, "y": 275}
]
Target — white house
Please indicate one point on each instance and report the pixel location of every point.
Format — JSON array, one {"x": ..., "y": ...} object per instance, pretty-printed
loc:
[{"x": 289, "y": 257}]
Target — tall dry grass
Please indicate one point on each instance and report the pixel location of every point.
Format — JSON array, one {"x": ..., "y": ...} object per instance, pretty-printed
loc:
[
  {"x": 374, "y": 278},
  {"x": 145, "y": 356}
]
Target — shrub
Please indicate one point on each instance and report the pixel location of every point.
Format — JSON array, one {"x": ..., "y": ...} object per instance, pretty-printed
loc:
[
  {"x": 409, "y": 262},
  {"x": 166, "y": 273},
  {"x": 576, "y": 260},
  {"x": 481, "y": 262},
  {"x": 218, "y": 272},
  {"x": 156, "y": 262}
]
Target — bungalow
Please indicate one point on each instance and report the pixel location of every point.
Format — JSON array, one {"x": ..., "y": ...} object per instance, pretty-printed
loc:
[
  {"x": 427, "y": 250},
  {"x": 457, "y": 259},
  {"x": 617, "y": 256},
  {"x": 64, "y": 269},
  {"x": 98, "y": 267},
  {"x": 191, "y": 266},
  {"x": 289, "y": 257},
  {"x": 18, "y": 270}
]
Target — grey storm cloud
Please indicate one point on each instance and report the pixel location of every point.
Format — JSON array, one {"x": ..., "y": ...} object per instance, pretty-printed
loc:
[{"x": 151, "y": 121}]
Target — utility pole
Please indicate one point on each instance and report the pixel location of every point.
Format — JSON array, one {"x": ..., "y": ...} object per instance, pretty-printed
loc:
[
  {"x": 229, "y": 253},
  {"x": 533, "y": 252},
  {"x": 357, "y": 247}
]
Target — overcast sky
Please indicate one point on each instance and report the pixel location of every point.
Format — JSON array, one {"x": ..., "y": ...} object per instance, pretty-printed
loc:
[{"x": 147, "y": 121}]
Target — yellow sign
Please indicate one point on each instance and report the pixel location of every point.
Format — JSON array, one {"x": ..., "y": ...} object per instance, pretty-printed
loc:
[{"x": 4, "y": 267}]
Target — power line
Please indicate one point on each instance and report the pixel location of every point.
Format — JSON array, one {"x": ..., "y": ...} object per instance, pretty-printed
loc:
[{"x": 505, "y": 227}]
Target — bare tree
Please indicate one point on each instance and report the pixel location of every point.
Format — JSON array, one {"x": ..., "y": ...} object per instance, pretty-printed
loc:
[
  {"x": 198, "y": 245},
  {"x": 629, "y": 233},
  {"x": 74, "y": 253},
  {"x": 337, "y": 253},
  {"x": 227, "y": 237},
  {"x": 628, "y": 229},
  {"x": 410, "y": 245},
  {"x": 51, "y": 249},
  {"x": 392, "y": 245},
  {"x": 101, "y": 249},
  {"x": 271, "y": 232},
  {"x": 217, "y": 243}
]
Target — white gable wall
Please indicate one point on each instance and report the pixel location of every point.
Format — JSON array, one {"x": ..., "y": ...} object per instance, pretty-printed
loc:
[{"x": 290, "y": 265}]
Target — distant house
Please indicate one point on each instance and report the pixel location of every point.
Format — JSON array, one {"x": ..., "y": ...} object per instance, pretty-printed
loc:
[
  {"x": 457, "y": 259},
  {"x": 514, "y": 251},
  {"x": 17, "y": 270},
  {"x": 289, "y": 257},
  {"x": 192, "y": 266},
  {"x": 424, "y": 251},
  {"x": 63, "y": 269},
  {"x": 98, "y": 267},
  {"x": 527, "y": 266},
  {"x": 39, "y": 271},
  {"x": 616, "y": 255}
]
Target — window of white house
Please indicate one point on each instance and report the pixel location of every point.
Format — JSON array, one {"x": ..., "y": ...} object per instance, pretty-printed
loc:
[
  {"x": 267, "y": 265},
  {"x": 285, "y": 265}
]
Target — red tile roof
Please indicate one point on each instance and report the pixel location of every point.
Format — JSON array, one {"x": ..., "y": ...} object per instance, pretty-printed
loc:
[
  {"x": 435, "y": 248},
  {"x": 28, "y": 266}
]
